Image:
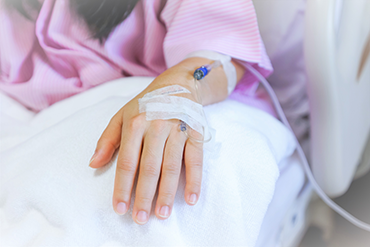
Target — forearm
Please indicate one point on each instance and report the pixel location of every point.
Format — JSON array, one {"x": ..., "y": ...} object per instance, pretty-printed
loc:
[{"x": 216, "y": 89}]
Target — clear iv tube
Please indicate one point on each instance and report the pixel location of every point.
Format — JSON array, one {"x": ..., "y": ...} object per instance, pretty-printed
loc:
[{"x": 306, "y": 166}]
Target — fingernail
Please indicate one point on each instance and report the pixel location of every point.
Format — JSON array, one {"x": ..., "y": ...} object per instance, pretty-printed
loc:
[
  {"x": 121, "y": 208},
  {"x": 164, "y": 212},
  {"x": 142, "y": 217},
  {"x": 192, "y": 198},
  {"x": 92, "y": 158}
]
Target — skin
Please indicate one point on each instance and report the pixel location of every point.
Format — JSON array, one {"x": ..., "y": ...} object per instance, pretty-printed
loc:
[{"x": 154, "y": 150}]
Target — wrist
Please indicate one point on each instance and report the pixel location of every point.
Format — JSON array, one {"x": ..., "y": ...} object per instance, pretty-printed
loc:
[
  {"x": 177, "y": 75},
  {"x": 212, "y": 89}
]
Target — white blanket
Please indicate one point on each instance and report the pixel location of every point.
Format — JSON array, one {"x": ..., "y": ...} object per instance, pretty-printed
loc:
[{"x": 50, "y": 197}]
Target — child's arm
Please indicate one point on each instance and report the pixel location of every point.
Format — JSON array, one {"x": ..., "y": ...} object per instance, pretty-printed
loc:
[{"x": 158, "y": 146}]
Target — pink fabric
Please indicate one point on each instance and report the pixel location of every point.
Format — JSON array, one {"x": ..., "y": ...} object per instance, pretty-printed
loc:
[{"x": 53, "y": 58}]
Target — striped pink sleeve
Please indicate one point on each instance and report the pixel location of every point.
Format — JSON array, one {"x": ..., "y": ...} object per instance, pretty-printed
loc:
[{"x": 227, "y": 27}]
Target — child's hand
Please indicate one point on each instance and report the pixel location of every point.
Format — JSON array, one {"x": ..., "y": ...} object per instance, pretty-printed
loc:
[{"x": 158, "y": 146}]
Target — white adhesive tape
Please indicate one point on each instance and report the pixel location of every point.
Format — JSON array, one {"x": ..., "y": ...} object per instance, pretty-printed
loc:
[
  {"x": 158, "y": 104},
  {"x": 173, "y": 89}
]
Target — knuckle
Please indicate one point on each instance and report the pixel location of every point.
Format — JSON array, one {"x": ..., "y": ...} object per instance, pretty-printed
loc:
[
  {"x": 104, "y": 137},
  {"x": 171, "y": 169},
  {"x": 158, "y": 127},
  {"x": 175, "y": 153},
  {"x": 151, "y": 153},
  {"x": 196, "y": 164},
  {"x": 104, "y": 141},
  {"x": 150, "y": 170},
  {"x": 195, "y": 184},
  {"x": 143, "y": 200},
  {"x": 120, "y": 191},
  {"x": 166, "y": 196},
  {"x": 198, "y": 136},
  {"x": 136, "y": 122},
  {"x": 195, "y": 146},
  {"x": 126, "y": 166}
]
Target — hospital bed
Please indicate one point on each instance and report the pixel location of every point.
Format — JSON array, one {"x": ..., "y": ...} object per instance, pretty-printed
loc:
[
  {"x": 335, "y": 45},
  {"x": 312, "y": 37}
]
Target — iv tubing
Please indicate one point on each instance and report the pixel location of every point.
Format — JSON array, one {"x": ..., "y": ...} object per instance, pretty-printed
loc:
[{"x": 306, "y": 166}]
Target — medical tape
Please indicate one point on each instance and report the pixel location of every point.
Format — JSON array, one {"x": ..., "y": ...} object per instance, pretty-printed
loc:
[
  {"x": 168, "y": 90},
  {"x": 159, "y": 104}
]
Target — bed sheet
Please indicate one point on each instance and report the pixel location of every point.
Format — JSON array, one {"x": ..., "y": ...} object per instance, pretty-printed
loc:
[
  {"x": 287, "y": 190},
  {"x": 49, "y": 195}
]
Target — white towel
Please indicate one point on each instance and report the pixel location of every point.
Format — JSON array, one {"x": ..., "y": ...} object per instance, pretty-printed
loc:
[{"x": 50, "y": 197}]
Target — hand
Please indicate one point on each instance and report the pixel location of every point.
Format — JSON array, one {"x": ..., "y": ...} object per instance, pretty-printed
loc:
[{"x": 158, "y": 146}]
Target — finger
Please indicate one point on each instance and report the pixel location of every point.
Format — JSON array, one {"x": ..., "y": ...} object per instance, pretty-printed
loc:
[
  {"x": 170, "y": 173},
  {"x": 150, "y": 166},
  {"x": 108, "y": 142},
  {"x": 127, "y": 163},
  {"x": 194, "y": 169}
]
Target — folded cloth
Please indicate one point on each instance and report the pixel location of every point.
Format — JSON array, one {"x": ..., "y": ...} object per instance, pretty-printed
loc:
[{"x": 50, "y": 197}]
